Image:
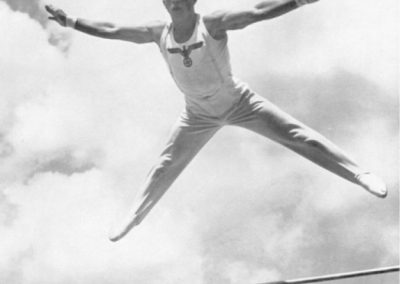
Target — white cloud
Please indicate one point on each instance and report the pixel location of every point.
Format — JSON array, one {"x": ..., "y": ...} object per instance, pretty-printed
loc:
[
  {"x": 66, "y": 231},
  {"x": 321, "y": 37}
]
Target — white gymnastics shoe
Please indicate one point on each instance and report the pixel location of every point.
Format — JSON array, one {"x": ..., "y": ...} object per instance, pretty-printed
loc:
[{"x": 372, "y": 184}]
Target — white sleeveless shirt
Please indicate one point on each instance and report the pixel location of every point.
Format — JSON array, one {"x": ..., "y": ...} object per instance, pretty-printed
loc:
[{"x": 201, "y": 68}]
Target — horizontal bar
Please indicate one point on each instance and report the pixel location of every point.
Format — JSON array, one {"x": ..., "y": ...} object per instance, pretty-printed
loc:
[{"x": 339, "y": 276}]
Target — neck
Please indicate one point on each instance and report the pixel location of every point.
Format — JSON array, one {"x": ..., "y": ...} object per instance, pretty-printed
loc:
[{"x": 186, "y": 23}]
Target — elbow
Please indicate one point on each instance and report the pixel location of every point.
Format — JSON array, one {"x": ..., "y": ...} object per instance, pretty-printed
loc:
[
  {"x": 248, "y": 18},
  {"x": 273, "y": 9},
  {"x": 108, "y": 31},
  {"x": 260, "y": 14}
]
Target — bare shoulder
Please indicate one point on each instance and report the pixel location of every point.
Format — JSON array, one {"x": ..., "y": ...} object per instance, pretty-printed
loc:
[
  {"x": 156, "y": 28},
  {"x": 213, "y": 24},
  {"x": 156, "y": 25}
]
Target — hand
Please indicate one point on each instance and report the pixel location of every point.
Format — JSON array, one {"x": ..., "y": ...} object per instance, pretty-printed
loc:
[{"x": 57, "y": 15}]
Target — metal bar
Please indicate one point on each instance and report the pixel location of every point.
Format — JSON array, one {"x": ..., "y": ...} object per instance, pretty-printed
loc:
[{"x": 339, "y": 276}]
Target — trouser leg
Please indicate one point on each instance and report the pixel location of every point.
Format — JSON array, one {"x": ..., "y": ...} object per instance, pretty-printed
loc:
[
  {"x": 185, "y": 142},
  {"x": 261, "y": 116},
  {"x": 188, "y": 136}
]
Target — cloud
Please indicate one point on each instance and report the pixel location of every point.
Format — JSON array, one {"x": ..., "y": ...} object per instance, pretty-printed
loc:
[
  {"x": 9, "y": 211},
  {"x": 321, "y": 37},
  {"x": 32, "y": 8},
  {"x": 79, "y": 130},
  {"x": 35, "y": 10}
]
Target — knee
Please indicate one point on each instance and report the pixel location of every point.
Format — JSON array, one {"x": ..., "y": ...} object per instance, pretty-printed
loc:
[
  {"x": 299, "y": 135},
  {"x": 168, "y": 162}
]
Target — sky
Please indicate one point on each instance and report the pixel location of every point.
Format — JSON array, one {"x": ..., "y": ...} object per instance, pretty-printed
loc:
[{"x": 82, "y": 120}]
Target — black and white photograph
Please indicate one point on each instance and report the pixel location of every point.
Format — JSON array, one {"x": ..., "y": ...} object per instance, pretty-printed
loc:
[{"x": 199, "y": 142}]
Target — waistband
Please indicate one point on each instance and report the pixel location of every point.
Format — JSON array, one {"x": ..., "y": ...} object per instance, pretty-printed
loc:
[{"x": 218, "y": 102}]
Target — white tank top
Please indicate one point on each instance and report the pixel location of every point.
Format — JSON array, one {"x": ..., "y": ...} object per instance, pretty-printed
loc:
[{"x": 200, "y": 66}]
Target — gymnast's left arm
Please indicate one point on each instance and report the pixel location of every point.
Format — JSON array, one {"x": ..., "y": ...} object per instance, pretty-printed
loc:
[{"x": 221, "y": 21}]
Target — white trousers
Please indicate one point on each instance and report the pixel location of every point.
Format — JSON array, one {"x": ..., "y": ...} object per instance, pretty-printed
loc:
[{"x": 253, "y": 112}]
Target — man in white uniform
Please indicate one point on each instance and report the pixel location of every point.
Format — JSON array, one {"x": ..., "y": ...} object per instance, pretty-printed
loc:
[{"x": 195, "y": 50}]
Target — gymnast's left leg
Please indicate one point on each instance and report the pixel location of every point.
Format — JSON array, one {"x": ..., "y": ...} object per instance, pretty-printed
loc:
[{"x": 261, "y": 116}]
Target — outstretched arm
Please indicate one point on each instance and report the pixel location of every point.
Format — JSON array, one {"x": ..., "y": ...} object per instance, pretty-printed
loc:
[
  {"x": 220, "y": 22},
  {"x": 150, "y": 32}
]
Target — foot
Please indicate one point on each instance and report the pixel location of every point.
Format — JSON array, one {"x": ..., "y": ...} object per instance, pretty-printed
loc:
[
  {"x": 119, "y": 230},
  {"x": 372, "y": 184}
]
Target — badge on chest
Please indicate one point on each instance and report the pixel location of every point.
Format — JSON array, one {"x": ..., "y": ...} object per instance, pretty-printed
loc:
[{"x": 185, "y": 51}]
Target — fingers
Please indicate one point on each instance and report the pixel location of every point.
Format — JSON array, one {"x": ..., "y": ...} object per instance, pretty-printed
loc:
[
  {"x": 50, "y": 9},
  {"x": 56, "y": 14},
  {"x": 53, "y": 10}
]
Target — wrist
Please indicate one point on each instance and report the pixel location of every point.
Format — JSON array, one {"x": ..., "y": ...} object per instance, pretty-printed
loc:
[{"x": 70, "y": 22}]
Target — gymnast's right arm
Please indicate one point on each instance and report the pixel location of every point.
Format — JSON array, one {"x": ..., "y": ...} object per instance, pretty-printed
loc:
[{"x": 147, "y": 33}]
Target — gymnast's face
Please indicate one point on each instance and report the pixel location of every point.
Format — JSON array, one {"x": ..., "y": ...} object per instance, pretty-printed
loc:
[{"x": 179, "y": 8}]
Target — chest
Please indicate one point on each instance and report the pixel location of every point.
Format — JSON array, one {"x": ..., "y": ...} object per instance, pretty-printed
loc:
[
  {"x": 187, "y": 54},
  {"x": 181, "y": 36}
]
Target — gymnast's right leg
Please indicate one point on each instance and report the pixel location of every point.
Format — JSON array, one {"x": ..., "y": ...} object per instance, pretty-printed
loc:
[{"x": 189, "y": 135}]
